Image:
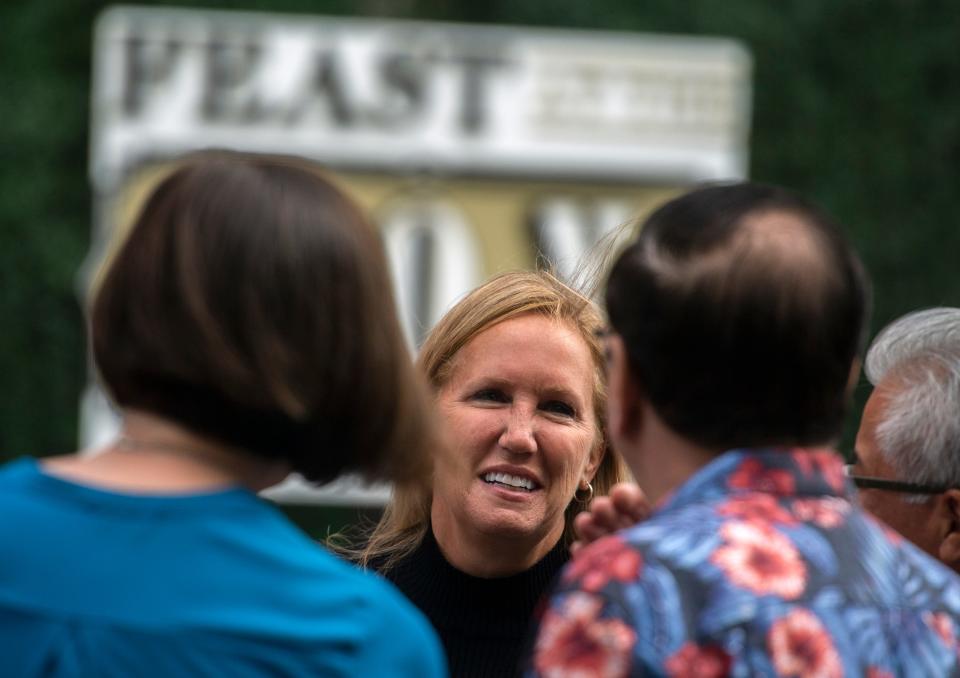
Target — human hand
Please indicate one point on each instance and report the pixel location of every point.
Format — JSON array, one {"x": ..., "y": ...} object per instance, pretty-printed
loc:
[{"x": 624, "y": 506}]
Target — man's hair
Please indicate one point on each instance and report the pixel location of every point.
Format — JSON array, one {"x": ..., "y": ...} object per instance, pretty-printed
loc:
[
  {"x": 919, "y": 430},
  {"x": 251, "y": 303},
  {"x": 742, "y": 309}
]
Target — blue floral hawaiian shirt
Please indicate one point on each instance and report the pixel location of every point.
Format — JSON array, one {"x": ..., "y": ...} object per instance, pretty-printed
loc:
[{"x": 761, "y": 564}]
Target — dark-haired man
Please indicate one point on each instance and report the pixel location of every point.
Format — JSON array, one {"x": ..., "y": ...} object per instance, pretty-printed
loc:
[
  {"x": 737, "y": 316},
  {"x": 906, "y": 464}
]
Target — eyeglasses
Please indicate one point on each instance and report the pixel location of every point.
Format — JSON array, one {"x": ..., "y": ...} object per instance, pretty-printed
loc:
[{"x": 871, "y": 483}]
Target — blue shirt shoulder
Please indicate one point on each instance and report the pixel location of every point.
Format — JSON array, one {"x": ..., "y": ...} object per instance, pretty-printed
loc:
[{"x": 110, "y": 584}]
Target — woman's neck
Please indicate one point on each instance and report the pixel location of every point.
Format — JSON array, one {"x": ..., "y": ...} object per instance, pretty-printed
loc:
[
  {"x": 155, "y": 455},
  {"x": 489, "y": 555}
]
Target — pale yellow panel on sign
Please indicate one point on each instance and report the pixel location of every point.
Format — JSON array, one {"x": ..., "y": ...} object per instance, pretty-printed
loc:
[
  {"x": 502, "y": 213},
  {"x": 506, "y": 224}
]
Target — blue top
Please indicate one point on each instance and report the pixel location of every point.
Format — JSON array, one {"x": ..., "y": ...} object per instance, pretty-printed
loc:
[
  {"x": 760, "y": 564},
  {"x": 97, "y": 583}
]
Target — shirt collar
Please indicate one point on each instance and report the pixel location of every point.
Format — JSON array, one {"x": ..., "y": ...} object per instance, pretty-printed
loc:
[{"x": 784, "y": 472}]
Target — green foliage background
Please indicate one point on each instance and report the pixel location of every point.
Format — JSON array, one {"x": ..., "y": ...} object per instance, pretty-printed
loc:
[{"x": 857, "y": 104}]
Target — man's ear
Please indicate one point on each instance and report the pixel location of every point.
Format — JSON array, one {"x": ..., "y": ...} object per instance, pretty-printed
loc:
[
  {"x": 624, "y": 395},
  {"x": 949, "y": 508}
]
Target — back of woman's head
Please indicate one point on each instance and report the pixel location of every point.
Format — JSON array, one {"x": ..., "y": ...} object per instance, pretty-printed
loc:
[{"x": 251, "y": 303}]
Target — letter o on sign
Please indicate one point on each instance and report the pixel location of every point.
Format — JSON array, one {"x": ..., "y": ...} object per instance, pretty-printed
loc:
[{"x": 433, "y": 260}]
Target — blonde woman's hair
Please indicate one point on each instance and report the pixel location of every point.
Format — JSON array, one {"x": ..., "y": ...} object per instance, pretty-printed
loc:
[{"x": 406, "y": 518}]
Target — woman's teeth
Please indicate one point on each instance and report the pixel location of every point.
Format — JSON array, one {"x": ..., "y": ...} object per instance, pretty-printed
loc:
[{"x": 514, "y": 482}]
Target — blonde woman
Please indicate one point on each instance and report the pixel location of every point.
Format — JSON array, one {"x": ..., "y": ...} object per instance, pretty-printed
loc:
[{"x": 517, "y": 373}]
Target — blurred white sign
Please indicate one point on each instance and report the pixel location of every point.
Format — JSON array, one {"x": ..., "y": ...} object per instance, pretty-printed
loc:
[
  {"x": 393, "y": 94},
  {"x": 476, "y": 148}
]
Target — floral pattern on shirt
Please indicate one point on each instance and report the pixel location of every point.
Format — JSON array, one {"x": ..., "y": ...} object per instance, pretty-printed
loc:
[
  {"x": 763, "y": 564},
  {"x": 579, "y": 644}
]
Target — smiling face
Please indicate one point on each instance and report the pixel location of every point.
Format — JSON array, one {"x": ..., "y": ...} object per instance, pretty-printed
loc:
[{"x": 519, "y": 412}]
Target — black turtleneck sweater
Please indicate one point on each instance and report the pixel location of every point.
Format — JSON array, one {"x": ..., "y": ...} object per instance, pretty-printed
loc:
[{"x": 483, "y": 623}]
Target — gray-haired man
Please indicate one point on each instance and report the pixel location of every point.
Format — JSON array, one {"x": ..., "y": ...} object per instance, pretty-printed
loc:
[{"x": 907, "y": 462}]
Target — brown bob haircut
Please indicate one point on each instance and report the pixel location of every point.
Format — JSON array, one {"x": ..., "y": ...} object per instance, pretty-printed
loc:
[
  {"x": 251, "y": 303},
  {"x": 742, "y": 309}
]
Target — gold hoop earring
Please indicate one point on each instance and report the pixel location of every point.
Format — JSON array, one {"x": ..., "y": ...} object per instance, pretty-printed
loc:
[{"x": 586, "y": 499}]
